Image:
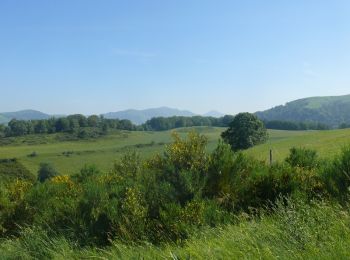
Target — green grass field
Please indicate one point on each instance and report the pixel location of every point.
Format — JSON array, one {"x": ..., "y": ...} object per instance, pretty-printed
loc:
[
  {"x": 70, "y": 156},
  {"x": 326, "y": 143}
]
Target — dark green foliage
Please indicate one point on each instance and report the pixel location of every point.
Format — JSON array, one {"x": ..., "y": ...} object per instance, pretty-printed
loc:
[
  {"x": 93, "y": 121},
  {"x": 344, "y": 125},
  {"x": 290, "y": 125},
  {"x": 94, "y": 126},
  {"x": 2, "y": 130},
  {"x": 46, "y": 172},
  {"x": 18, "y": 127},
  {"x": 75, "y": 125},
  {"x": 336, "y": 174},
  {"x": 245, "y": 131},
  {"x": 166, "y": 123},
  {"x": 165, "y": 198},
  {"x": 62, "y": 125},
  {"x": 41, "y": 127},
  {"x": 11, "y": 169},
  {"x": 302, "y": 157},
  {"x": 33, "y": 154}
]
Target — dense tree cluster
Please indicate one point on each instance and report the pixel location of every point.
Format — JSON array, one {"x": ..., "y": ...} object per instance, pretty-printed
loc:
[
  {"x": 83, "y": 126},
  {"x": 78, "y": 124},
  {"x": 344, "y": 125},
  {"x": 94, "y": 125},
  {"x": 290, "y": 125},
  {"x": 166, "y": 123}
]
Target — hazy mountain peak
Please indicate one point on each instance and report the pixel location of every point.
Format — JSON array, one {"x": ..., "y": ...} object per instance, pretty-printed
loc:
[
  {"x": 141, "y": 116},
  {"x": 214, "y": 113},
  {"x": 28, "y": 114}
]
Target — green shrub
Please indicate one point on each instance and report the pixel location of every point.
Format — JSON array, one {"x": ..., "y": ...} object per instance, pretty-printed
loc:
[
  {"x": 336, "y": 175},
  {"x": 11, "y": 169},
  {"x": 302, "y": 157},
  {"x": 46, "y": 172},
  {"x": 167, "y": 198}
]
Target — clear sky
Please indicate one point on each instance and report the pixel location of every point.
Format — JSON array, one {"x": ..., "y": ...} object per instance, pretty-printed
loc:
[{"x": 95, "y": 56}]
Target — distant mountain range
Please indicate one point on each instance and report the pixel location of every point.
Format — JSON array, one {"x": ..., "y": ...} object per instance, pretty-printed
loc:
[
  {"x": 141, "y": 116},
  {"x": 23, "y": 115},
  {"x": 214, "y": 113},
  {"x": 135, "y": 116},
  {"x": 332, "y": 110}
]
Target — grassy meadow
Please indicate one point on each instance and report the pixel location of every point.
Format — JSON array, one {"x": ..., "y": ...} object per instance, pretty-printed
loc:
[
  {"x": 327, "y": 143},
  {"x": 70, "y": 156}
]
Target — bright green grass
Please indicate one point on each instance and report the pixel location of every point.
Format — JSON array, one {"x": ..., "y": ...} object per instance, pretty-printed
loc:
[
  {"x": 105, "y": 150},
  {"x": 101, "y": 151},
  {"x": 327, "y": 143}
]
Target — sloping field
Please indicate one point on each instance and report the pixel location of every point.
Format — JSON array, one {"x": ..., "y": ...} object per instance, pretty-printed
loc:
[{"x": 327, "y": 143}]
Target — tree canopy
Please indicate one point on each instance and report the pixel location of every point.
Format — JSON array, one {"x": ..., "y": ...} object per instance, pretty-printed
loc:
[{"x": 245, "y": 131}]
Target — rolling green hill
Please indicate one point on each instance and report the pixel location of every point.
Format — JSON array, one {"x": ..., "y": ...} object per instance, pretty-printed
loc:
[{"x": 333, "y": 110}]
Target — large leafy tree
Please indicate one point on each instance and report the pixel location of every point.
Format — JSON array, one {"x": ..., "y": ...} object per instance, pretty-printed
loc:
[
  {"x": 245, "y": 131},
  {"x": 18, "y": 127}
]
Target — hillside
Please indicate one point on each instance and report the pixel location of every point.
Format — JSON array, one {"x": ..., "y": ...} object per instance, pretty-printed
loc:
[
  {"x": 332, "y": 110},
  {"x": 141, "y": 116},
  {"x": 23, "y": 115}
]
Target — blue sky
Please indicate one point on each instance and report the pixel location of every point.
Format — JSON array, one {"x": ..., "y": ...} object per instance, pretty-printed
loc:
[{"x": 95, "y": 56}]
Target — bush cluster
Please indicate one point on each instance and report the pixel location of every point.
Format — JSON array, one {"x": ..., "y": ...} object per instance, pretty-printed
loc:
[{"x": 167, "y": 197}]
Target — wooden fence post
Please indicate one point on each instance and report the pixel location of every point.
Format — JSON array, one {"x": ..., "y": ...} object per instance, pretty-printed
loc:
[{"x": 270, "y": 157}]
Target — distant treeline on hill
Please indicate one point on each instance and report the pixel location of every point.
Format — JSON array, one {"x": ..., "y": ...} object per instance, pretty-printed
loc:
[
  {"x": 167, "y": 123},
  {"x": 78, "y": 124},
  {"x": 289, "y": 125},
  {"x": 93, "y": 126}
]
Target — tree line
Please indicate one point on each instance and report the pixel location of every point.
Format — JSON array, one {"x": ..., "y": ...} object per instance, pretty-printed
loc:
[
  {"x": 82, "y": 125},
  {"x": 290, "y": 125},
  {"x": 77, "y": 124},
  {"x": 94, "y": 125}
]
